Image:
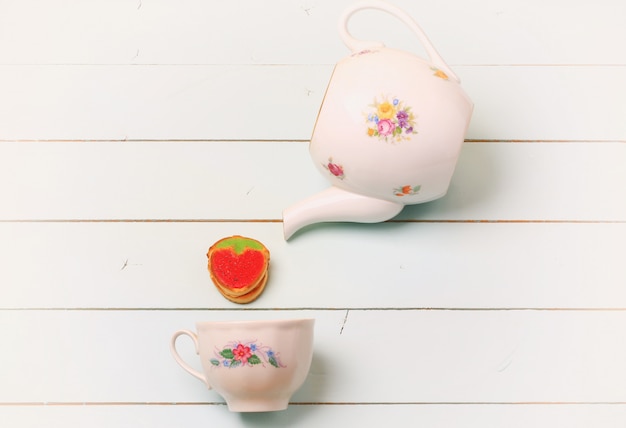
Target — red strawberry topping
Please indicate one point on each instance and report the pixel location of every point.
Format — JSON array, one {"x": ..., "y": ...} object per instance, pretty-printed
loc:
[{"x": 237, "y": 270}]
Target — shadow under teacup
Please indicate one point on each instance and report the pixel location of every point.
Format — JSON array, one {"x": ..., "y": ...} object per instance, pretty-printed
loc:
[{"x": 255, "y": 365}]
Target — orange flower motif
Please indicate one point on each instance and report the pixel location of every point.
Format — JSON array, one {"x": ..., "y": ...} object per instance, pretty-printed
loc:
[
  {"x": 407, "y": 190},
  {"x": 440, "y": 74}
]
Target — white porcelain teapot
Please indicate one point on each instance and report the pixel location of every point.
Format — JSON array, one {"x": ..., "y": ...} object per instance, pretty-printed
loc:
[{"x": 388, "y": 133}]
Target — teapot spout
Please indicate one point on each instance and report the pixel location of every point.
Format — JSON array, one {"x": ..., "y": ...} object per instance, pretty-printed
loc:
[{"x": 335, "y": 204}]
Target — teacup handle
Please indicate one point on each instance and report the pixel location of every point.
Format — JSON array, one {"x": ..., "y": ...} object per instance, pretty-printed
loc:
[
  {"x": 182, "y": 362},
  {"x": 356, "y": 45}
]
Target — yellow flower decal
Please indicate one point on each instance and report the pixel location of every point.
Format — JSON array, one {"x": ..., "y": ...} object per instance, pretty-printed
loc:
[{"x": 386, "y": 110}]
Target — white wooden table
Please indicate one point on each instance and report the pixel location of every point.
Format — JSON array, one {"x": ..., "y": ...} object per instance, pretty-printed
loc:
[{"x": 135, "y": 133}]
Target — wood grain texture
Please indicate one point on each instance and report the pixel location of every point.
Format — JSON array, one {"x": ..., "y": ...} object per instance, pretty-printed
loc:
[
  {"x": 303, "y": 32},
  {"x": 247, "y": 181},
  {"x": 162, "y": 415},
  {"x": 260, "y": 102},
  {"x": 134, "y": 133},
  {"x": 364, "y": 357},
  {"x": 432, "y": 265}
]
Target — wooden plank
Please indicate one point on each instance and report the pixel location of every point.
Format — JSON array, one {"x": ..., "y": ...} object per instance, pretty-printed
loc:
[
  {"x": 148, "y": 102},
  {"x": 234, "y": 180},
  {"x": 441, "y": 265},
  {"x": 200, "y": 32},
  {"x": 305, "y": 416},
  {"x": 360, "y": 357},
  {"x": 535, "y": 103},
  {"x": 238, "y": 102}
]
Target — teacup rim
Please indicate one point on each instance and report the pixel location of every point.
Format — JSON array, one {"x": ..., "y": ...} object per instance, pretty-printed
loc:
[{"x": 256, "y": 322}]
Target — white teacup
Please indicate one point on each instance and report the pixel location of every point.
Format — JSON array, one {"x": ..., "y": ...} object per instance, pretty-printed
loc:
[{"x": 255, "y": 365}]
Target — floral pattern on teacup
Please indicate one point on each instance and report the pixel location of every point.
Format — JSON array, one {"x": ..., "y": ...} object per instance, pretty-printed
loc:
[
  {"x": 407, "y": 190},
  {"x": 240, "y": 354},
  {"x": 334, "y": 169},
  {"x": 390, "y": 120}
]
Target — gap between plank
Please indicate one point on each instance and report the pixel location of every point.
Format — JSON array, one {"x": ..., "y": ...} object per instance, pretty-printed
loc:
[
  {"x": 275, "y": 220},
  {"x": 322, "y": 403},
  {"x": 316, "y": 309},
  {"x": 226, "y": 140}
]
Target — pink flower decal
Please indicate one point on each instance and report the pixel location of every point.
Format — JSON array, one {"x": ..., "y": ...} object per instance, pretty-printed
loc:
[
  {"x": 390, "y": 120},
  {"x": 386, "y": 127},
  {"x": 335, "y": 169},
  {"x": 242, "y": 353}
]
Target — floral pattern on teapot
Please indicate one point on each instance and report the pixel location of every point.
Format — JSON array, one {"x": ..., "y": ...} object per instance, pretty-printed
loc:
[
  {"x": 390, "y": 120},
  {"x": 407, "y": 190},
  {"x": 439, "y": 73},
  {"x": 335, "y": 169},
  {"x": 240, "y": 354},
  {"x": 363, "y": 52}
]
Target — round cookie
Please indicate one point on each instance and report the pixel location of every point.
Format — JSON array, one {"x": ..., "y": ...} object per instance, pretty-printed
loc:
[
  {"x": 248, "y": 297},
  {"x": 238, "y": 267}
]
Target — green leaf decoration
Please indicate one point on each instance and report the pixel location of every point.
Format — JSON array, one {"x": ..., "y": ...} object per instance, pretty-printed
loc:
[
  {"x": 239, "y": 244},
  {"x": 417, "y": 188},
  {"x": 228, "y": 354},
  {"x": 235, "y": 363},
  {"x": 254, "y": 360},
  {"x": 214, "y": 362},
  {"x": 273, "y": 362}
]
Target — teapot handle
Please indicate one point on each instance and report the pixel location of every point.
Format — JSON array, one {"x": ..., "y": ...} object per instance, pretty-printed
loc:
[{"x": 356, "y": 45}]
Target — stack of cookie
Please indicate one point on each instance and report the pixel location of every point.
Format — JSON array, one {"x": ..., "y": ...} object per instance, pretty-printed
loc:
[{"x": 238, "y": 267}]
